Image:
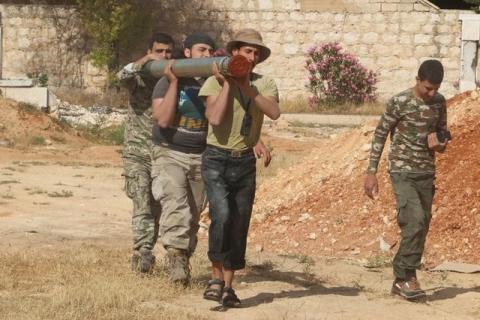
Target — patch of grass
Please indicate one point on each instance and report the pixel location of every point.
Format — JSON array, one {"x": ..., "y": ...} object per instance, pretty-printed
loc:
[
  {"x": 10, "y": 168},
  {"x": 37, "y": 141},
  {"x": 378, "y": 261},
  {"x": 24, "y": 107},
  {"x": 300, "y": 104},
  {"x": 279, "y": 161},
  {"x": 301, "y": 124},
  {"x": 7, "y": 196},
  {"x": 85, "y": 282},
  {"x": 61, "y": 194},
  {"x": 41, "y": 203},
  {"x": 34, "y": 163},
  {"x": 112, "y": 135},
  {"x": 308, "y": 263},
  {"x": 9, "y": 182},
  {"x": 37, "y": 190},
  {"x": 58, "y": 138},
  {"x": 114, "y": 98},
  {"x": 78, "y": 176},
  {"x": 67, "y": 185},
  {"x": 266, "y": 265}
]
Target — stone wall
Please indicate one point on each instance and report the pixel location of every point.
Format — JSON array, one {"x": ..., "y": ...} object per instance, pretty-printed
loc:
[
  {"x": 39, "y": 39},
  {"x": 391, "y": 37}
]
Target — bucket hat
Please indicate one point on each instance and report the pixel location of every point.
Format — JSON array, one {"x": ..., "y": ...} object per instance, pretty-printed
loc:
[{"x": 252, "y": 37}]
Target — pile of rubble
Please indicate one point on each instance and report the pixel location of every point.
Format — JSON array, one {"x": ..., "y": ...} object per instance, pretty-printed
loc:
[{"x": 318, "y": 207}]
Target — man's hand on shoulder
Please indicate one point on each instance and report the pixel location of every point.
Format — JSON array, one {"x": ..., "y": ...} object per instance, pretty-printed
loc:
[{"x": 370, "y": 185}]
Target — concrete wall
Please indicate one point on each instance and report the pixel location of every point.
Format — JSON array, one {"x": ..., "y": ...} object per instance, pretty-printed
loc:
[{"x": 391, "y": 37}]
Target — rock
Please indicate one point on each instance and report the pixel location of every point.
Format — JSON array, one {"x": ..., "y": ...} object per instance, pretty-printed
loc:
[
  {"x": 304, "y": 217},
  {"x": 258, "y": 248},
  {"x": 355, "y": 251},
  {"x": 384, "y": 246},
  {"x": 475, "y": 94},
  {"x": 366, "y": 147},
  {"x": 6, "y": 143},
  {"x": 48, "y": 142},
  {"x": 386, "y": 220},
  {"x": 312, "y": 236},
  {"x": 285, "y": 218}
]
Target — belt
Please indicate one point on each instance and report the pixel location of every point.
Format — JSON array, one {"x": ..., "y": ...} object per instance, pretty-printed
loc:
[{"x": 233, "y": 153}]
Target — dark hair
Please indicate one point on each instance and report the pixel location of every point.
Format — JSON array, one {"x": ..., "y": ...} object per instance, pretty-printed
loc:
[
  {"x": 177, "y": 53},
  {"x": 161, "y": 37},
  {"x": 432, "y": 71},
  {"x": 198, "y": 37}
]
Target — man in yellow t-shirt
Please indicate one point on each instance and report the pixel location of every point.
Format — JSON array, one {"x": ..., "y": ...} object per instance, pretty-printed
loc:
[{"x": 235, "y": 110}]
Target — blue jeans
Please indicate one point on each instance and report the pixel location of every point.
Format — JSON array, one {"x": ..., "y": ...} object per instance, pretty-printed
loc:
[{"x": 230, "y": 183}]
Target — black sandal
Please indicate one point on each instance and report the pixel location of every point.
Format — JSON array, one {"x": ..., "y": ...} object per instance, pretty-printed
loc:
[
  {"x": 214, "y": 294},
  {"x": 229, "y": 298}
]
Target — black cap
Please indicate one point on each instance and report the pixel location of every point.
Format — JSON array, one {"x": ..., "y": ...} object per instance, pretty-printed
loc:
[{"x": 198, "y": 37}]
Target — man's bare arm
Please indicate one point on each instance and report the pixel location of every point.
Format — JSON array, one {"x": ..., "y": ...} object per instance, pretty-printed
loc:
[{"x": 163, "y": 109}]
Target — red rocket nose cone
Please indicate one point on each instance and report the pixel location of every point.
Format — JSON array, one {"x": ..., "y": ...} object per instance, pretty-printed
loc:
[{"x": 239, "y": 66}]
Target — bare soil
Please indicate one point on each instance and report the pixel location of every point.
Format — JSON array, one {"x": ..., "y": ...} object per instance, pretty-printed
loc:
[{"x": 314, "y": 250}]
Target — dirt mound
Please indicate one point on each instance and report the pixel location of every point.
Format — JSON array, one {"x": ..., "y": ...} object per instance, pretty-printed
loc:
[
  {"x": 318, "y": 207},
  {"x": 22, "y": 126}
]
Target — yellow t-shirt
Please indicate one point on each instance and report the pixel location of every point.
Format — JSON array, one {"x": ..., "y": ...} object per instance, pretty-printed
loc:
[{"x": 227, "y": 134}]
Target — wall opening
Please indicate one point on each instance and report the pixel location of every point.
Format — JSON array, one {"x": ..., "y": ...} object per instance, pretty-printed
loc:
[{"x": 448, "y": 4}]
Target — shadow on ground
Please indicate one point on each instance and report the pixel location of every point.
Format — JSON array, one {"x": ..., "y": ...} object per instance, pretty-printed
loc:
[
  {"x": 450, "y": 293},
  {"x": 307, "y": 284}
]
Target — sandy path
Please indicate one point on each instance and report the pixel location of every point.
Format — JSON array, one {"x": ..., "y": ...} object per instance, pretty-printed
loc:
[{"x": 49, "y": 200}]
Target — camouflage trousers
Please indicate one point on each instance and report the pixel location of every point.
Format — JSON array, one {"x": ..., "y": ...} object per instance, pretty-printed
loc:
[
  {"x": 414, "y": 194},
  {"x": 177, "y": 184},
  {"x": 146, "y": 211}
]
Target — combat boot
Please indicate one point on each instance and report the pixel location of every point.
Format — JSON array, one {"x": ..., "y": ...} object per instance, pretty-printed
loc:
[
  {"x": 410, "y": 288},
  {"x": 179, "y": 266},
  {"x": 143, "y": 261}
]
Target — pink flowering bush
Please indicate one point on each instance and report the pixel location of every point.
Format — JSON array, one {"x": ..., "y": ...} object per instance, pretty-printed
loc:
[{"x": 336, "y": 77}]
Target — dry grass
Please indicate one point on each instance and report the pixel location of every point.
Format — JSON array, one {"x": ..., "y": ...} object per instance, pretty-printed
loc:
[
  {"x": 113, "y": 98},
  {"x": 300, "y": 104},
  {"x": 280, "y": 160},
  {"x": 86, "y": 282}
]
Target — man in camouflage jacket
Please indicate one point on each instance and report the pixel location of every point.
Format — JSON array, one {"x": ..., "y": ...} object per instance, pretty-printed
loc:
[
  {"x": 137, "y": 152},
  {"x": 415, "y": 119}
]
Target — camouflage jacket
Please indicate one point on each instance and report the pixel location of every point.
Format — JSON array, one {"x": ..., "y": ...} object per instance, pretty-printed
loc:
[
  {"x": 139, "y": 123},
  {"x": 409, "y": 120}
]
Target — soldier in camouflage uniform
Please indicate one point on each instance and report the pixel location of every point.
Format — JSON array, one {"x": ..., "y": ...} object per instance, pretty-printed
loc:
[
  {"x": 415, "y": 119},
  {"x": 137, "y": 152}
]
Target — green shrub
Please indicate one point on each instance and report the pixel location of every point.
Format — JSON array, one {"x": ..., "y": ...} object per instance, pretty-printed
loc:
[
  {"x": 115, "y": 25},
  {"x": 37, "y": 141},
  {"x": 476, "y": 4},
  {"x": 336, "y": 77}
]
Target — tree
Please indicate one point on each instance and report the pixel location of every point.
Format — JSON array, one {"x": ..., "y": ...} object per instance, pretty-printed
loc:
[
  {"x": 116, "y": 27},
  {"x": 476, "y": 4}
]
